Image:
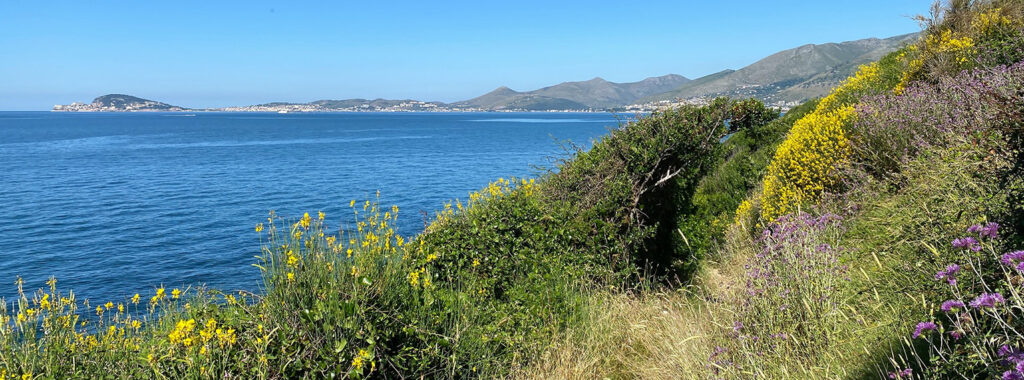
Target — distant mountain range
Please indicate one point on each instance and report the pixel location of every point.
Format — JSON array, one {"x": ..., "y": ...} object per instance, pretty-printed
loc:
[
  {"x": 781, "y": 79},
  {"x": 596, "y": 93},
  {"x": 793, "y": 75}
]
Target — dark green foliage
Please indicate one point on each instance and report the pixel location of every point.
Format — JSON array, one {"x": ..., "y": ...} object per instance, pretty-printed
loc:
[
  {"x": 704, "y": 216},
  {"x": 632, "y": 180},
  {"x": 750, "y": 113},
  {"x": 519, "y": 260},
  {"x": 523, "y": 254}
]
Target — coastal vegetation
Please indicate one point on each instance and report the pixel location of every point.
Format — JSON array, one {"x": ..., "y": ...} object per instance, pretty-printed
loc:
[{"x": 874, "y": 233}]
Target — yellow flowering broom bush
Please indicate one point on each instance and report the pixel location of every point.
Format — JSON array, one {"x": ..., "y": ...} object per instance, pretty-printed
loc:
[{"x": 806, "y": 164}]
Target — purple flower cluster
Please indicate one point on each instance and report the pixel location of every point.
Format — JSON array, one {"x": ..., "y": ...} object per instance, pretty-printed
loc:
[
  {"x": 1014, "y": 259},
  {"x": 952, "y": 304},
  {"x": 990, "y": 230},
  {"x": 948, "y": 274},
  {"x": 987, "y": 300},
  {"x": 968, "y": 243},
  {"x": 924, "y": 326},
  {"x": 891, "y": 129},
  {"x": 901, "y": 374},
  {"x": 791, "y": 247},
  {"x": 1014, "y": 358}
]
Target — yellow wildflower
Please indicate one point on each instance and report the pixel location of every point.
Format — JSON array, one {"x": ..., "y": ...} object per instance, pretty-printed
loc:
[
  {"x": 320, "y": 215},
  {"x": 352, "y": 203},
  {"x": 135, "y": 299},
  {"x": 182, "y": 332},
  {"x": 259, "y": 227},
  {"x": 291, "y": 276},
  {"x": 175, "y": 293},
  {"x": 358, "y": 361},
  {"x": 305, "y": 221},
  {"x": 226, "y": 337}
]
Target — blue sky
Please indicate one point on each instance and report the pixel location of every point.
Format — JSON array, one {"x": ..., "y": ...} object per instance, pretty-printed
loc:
[{"x": 220, "y": 53}]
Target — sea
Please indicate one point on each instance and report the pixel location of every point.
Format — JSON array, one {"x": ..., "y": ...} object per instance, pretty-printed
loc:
[{"x": 111, "y": 204}]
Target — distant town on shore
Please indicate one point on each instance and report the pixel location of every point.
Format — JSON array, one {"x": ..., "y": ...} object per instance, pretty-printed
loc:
[{"x": 782, "y": 80}]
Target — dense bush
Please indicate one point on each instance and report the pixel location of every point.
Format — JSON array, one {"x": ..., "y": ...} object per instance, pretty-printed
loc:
[
  {"x": 807, "y": 164},
  {"x": 705, "y": 216}
]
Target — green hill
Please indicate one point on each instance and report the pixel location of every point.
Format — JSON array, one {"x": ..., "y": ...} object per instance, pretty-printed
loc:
[
  {"x": 797, "y": 74},
  {"x": 596, "y": 93}
]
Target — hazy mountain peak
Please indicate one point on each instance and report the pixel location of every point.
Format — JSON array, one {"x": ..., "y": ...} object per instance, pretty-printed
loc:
[
  {"x": 503, "y": 90},
  {"x": 593, "y": 93},
  {"x": 792, "y": 75}
]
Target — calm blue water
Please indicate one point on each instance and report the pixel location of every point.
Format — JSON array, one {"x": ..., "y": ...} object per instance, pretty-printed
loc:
[{"x": 112, "y": 204}]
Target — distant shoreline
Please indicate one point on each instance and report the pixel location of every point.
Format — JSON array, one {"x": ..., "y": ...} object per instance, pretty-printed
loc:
[{"x": 329, "y": 112}]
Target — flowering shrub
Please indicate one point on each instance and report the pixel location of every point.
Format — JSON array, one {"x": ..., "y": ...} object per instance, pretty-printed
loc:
[
  {"x": 335, "y": 305},
  {"x": 976, "y": 331},
  {"x": 789, "y": 307},
  {"x": 50, "y": 332},
  {"x": 890, "y": 129},
  {"x": 805, "y": 164}
]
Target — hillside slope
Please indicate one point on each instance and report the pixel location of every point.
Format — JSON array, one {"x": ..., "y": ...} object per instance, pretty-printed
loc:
[
  {"x": 793, "y": 75},
  {"x": 595, "y": 93}
]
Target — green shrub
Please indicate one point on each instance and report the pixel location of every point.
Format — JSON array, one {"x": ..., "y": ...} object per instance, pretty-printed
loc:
[{"x": 712, "y": 207}]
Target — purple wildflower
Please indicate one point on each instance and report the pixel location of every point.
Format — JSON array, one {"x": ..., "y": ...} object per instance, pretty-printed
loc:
[
  {"x": 987, "y": 300},
  {"x": 1012, "y": 375},
  {"x": 900, "y": 374},
  {"x": 956, "y": 334},
  {"x": 948, "y": 274},
  {"x": 1011, "y": 354},
  {"x": 967, "y": 242},
  {"x": 1012, "y": 258},
  {"x": 952, "y": 304},
  {"x": 990, "y": 230},
  {"x": 924, "y": 326}
]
